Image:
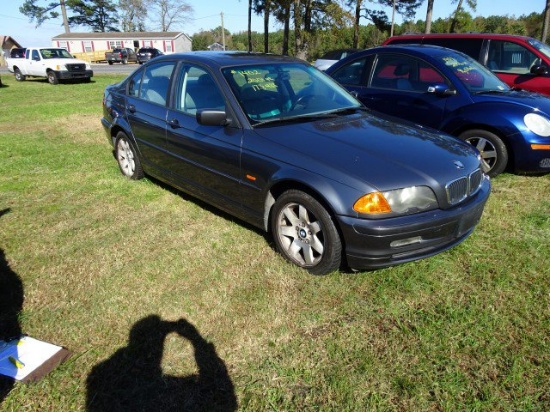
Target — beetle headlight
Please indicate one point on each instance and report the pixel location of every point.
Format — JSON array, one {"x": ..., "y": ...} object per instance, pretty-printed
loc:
[
  {"x": 537, "y": 124},
  {"x": 403, "y": 201}
]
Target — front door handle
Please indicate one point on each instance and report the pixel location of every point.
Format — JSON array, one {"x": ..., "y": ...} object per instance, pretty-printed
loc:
[
  {"x": 131, "y": 108},
  {"x": 174, "y": 124}
]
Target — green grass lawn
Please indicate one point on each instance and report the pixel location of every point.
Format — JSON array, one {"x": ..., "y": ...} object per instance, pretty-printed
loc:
[{"x": 164, "y": 301}]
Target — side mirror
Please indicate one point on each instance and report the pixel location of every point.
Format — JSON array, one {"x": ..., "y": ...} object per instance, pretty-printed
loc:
[
  {"x": 212, "y": 118},
  {"x": 441, "y": 89},
  {"x": 539, "y": 70}
]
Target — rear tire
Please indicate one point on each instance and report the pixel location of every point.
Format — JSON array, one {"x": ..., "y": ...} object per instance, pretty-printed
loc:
[
  {"x": 19, "y": 76},
  {"x": 305, "y": 234},
  {"x": 127, "y": 157},
  {"x": 494, "y": 154}
]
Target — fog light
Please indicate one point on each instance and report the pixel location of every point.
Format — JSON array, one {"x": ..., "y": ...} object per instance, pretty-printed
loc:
[{"x": 406, "y": 242}]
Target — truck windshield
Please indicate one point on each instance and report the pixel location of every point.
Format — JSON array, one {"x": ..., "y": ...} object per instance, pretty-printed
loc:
[{"x": 55, "y": 54}]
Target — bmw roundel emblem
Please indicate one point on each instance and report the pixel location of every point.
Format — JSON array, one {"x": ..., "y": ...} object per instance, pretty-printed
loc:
[{"x": 459, "y": 165}]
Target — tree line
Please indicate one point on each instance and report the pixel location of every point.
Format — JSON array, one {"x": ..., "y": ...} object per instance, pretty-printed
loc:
[{"x": 309, "y": 28}]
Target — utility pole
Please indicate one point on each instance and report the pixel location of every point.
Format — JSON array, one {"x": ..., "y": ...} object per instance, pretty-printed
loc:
[
  {"x": 223, "y": 33},
  {"x": 64, "y": 14},
  {"x": 392, "y": 18}
]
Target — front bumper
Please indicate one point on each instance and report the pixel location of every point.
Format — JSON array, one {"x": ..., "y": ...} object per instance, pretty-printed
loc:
[
  {"x": 374, "y": 244},
  {"x": 65, "y": 74}
]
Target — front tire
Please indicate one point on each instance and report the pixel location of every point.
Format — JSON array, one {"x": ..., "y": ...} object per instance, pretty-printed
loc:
[
  {"x": 19, "y": 76},
  {"x": 494, "y": 154},
  {"x": 305, "y": 234},
  {"x": 52, "y": 78},
  {"x": 127, "y": 157}
]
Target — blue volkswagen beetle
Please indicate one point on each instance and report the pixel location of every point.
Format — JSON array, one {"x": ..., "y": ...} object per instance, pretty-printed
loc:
[
  {"x": 447, "y": 90},
  {"x": 280, "y": 145}
]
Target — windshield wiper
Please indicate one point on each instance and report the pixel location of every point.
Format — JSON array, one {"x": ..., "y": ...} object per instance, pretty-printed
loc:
[
  {"x": 491, "y": 91},
  {"x": 311, "y": 116}
]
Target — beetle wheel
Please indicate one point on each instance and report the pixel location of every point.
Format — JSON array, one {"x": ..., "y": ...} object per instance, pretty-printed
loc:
[{"x": 494, "y": 154}]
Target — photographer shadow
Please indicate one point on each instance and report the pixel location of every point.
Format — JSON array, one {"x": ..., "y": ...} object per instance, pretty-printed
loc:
[
  {"x": 11, "y": 304},
  {"x": 132, "y": 379}
]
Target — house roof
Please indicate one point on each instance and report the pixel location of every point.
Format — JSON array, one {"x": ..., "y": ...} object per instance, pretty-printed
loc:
[
  {"x": 120, "y": 35},
  {"x": 6, "y": 40}
]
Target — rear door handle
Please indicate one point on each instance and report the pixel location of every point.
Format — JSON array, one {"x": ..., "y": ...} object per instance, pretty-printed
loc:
[{"x": 131, "y": 108}]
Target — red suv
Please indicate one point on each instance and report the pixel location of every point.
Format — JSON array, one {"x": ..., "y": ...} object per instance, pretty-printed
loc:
[{"x": 518, "y": 61}]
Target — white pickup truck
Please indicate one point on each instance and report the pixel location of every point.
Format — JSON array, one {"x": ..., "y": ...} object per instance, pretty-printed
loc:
[{"x": 53, "y": 63}]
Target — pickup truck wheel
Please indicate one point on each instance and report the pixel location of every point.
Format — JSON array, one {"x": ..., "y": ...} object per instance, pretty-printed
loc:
[
  {"x": 110, "y": 63},
  {"x": 52, "y": 78},
  {"x": 124, "y": 61},
  {"x": 19, "y": 76}
]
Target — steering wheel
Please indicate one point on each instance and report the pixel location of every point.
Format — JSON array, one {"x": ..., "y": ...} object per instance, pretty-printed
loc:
[{"x": 303, "y": 100}]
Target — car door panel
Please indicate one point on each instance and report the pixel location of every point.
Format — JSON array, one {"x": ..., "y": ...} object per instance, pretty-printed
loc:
[
  {"x": 204, "y": 160},
  {"x": 148, "y": 123}
]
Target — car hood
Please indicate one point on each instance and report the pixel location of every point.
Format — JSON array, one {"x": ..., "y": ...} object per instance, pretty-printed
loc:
[
  {"x": 529, "y": 100},
  {"x": 373, "y": 150}
]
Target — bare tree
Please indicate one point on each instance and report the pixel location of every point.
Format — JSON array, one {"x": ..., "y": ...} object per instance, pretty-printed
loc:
[
  {"x": 171, "y": 13},
  {"x": 133, "y": 14}
]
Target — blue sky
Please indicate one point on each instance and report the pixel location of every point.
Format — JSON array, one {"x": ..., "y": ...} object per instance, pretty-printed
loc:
[{"x": 207, "y": 16}]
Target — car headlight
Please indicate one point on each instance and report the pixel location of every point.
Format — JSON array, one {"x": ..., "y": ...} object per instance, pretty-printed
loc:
[
  {"x": 537, "y": 124},
  {"x": 60, "y": 67},
  {"x": 403, "y": 201}
]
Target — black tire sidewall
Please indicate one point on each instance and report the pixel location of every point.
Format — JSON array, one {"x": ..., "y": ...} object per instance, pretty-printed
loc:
[
  {"x": 138, "y": 171},
  {"x": 332, "y": 254},
  {"x": 498, "y": 144},
  {"x": 52, "y": 78}
]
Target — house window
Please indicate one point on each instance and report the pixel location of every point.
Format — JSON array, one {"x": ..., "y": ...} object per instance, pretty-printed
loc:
[
  {"x": 88, "y": 46},
  {"x": 147, "y": 43},
  {"x": 115, "y": 44},
  {"x": 168, "y": 46},
  {"x": 64, "y": 45}
]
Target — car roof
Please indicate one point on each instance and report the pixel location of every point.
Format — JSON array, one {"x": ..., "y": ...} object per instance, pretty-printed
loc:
[
  {"x": 228, "y": 58},
  {"x": 423, "y": 49},
  {"x": 460, "y": 35}
]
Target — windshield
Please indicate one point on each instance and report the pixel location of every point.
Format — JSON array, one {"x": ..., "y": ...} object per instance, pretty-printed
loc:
[
  {"x": 543, "y": 48},
  {"x": 55, "y": 54},
  {"x": 285, "y": 91},
  {"x": 474, "y": 76}
]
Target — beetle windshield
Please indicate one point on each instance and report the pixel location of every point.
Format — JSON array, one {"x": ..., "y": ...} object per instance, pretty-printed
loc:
[
  {"x": 287, "y": 90},
  {"x": 475, "y": 77}
]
